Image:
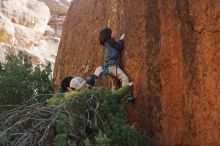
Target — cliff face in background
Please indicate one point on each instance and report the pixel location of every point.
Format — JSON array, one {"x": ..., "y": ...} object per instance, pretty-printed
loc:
[
  {"x": 172, "y": 55},
  {"x": 24, "y": 27}
]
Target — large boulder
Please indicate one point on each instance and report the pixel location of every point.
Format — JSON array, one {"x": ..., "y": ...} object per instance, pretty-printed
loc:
[
  {"x": 22, "y": 22},
  {"x": 58, "y": 7},
  {"x": 172, "y": 55},
  {"x": 31, "y": 14},
  {"x": 24, "y": 27}
]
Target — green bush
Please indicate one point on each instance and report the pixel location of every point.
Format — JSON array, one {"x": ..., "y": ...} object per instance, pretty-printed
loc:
[
  {"x": 88, "y": 118},
  {"x": 102, "y": 117},
  {"x": 116, "y": 128},
  {"x": 19, "y": 80}
]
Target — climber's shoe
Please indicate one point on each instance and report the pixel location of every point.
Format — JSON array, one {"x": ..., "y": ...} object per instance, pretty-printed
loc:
[
  {"x": 94, "y": 77},
  {"x": 130, "y": 98},
  {"x": 91, "y": 80}
]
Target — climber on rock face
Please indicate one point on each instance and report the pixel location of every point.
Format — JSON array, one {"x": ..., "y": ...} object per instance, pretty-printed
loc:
[{"x": 112, "y": 50}]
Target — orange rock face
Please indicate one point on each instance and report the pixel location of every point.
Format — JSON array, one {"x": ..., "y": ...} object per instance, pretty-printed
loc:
[{"x": 172, "y": 55}]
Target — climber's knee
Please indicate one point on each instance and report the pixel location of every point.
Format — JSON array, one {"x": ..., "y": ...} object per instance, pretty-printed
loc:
[{"x": 98, "y": 71}]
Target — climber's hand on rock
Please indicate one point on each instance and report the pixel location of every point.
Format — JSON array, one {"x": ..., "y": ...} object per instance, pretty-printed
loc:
[
  {"x": 130, "y": 84},
  {"x": 122, "y": 37}
]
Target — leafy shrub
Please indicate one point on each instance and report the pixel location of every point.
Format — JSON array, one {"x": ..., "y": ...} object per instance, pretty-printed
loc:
[
  {"x": 85, "y": 118},
  {"x": 102, "y": 117},
  {"x": 19, "y": 80},
  {"x": 90, "y": 117}
]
